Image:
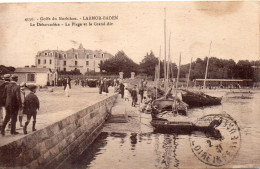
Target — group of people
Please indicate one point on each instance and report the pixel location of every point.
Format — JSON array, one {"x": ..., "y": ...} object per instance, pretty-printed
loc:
[
  {"x": 126, "y": 92},
  {"x": 103, "y": 85},
  {"x": 14, "y": 103},
  {"x": 82, "y": 82}
]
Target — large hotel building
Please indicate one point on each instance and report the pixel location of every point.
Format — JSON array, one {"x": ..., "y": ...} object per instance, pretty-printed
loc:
[{"x": 82, "y": 59}]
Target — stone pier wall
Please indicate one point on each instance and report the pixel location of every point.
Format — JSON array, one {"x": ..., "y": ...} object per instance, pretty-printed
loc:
[{"x": 60, "y": 143}]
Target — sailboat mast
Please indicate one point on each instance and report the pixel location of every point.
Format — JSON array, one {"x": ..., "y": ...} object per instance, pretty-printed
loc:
[
  {"x": 206, "y": 74},
  {"x": 158, "y": 74},
  {"x": 169, "y": 58},
  {"x": 177, "y": 81},
  {"x": 189, "y": 74},
  {"x": 178, "y": 74},
  {"x": 165, "y": 49}
]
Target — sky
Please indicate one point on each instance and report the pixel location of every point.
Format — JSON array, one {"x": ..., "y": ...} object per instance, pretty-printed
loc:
[{"x": 233, "y": 28}]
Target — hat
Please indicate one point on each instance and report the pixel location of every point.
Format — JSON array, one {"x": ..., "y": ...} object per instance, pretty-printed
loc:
[
  {"x": 7, "y": 76},
  {"x": 31, "y": 87},
  {"x": 14, "y": 76}
]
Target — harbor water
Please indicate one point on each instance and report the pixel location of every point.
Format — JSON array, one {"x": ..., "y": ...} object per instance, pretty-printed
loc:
[{"x": 150, "y": 149}]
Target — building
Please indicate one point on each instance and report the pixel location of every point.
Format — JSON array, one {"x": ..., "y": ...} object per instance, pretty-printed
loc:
[
  {"x": 72, "y": 59},
  {"x": 37, "y": 76},
  {"x": 224, "y": 82}
]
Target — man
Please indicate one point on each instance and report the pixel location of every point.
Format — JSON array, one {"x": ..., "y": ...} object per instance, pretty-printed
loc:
[
  {"x": 101, "y": 85},
  {"x": 105, "y": 88},
  {"x": 122, "y": 89},
  {"x": 3, "y": 83},
  {"x": 141, "y": 92},
  {"x": 13, "y": 103}
]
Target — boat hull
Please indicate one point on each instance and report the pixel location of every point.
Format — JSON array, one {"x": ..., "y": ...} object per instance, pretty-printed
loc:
[{"x": 200, "y": 100}]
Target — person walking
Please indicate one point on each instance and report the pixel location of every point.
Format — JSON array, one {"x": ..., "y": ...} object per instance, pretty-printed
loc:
[
  {"x": 5, "y": 81},
  {"x": 31, "y": 105},
  {"x": 67, "y": 87},
  {"x": 13, "y": 103},
  {"x": 122, "y": 89}
]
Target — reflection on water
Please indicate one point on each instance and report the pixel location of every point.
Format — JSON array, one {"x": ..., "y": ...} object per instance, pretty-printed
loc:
[{"x": 172, "y": 150}]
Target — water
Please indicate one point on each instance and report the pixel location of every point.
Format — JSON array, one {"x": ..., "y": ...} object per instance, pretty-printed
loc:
[{"x": 158, "y": 150}]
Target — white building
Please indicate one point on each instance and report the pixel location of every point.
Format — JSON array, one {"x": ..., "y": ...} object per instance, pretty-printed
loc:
[
  {"x": 37, "y": 76},
  {"x": 81, "y": 59}
]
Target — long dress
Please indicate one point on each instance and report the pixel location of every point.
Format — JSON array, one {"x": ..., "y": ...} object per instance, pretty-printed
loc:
[{"x": 67, "y": 90}]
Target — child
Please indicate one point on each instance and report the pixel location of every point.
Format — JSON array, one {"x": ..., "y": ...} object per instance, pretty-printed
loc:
[
  {"x": 31, "y": 104},
  {"x": 126, "y": 96}
]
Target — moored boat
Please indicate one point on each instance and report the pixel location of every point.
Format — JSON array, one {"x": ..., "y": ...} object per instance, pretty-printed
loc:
[{"x": 199, "y": 99}]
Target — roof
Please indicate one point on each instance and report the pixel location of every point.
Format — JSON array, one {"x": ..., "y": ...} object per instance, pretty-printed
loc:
[
  {"x": 31, "y": 70},
  {"x": 225, "y": 80}
]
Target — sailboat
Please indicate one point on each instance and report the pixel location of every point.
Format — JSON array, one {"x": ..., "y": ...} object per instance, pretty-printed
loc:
[
  {"x": 200, "y": 99},
  {"x": 168, "y": 104}
]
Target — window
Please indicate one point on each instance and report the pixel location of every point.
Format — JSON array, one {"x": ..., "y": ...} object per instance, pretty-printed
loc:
[
  {"x": 87, "y": 56},
  {"x": 50, "y": 61},
  {"x": 64, "y": 63},
  {"x": 30, "y": 77},
  {"x": 102, "y": 55},
  {"x": 87, "y": 63},
  {"x": 64, "y": 69},
  {"x": 76, "y": 56},
  {"x": 76, "y": 63},
  {"x": 65, "y": 55},
  {"x": 87, "y": 69},
  {"x": 44, "y": 61},
  {"x": 39, "y": 61},
  {"x": 45, "y": 53},
  {"x": 51, "y": 53},
  {"x": 94, "y": 56}
]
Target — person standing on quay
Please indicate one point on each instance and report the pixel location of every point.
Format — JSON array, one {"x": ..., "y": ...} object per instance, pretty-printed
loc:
[
  {"x": 20, "y": 113},
  {"x": 134, "y": 96},
  {"x": 122, "y": 89},
  {"x": 105, "y": 86},
  {"x": 13, "y": 103},
  {"x": 31, "y": 104},
  {"x": 100, "y": 85},
  {"x": 3, "y": 83},
  {"x": 141, "y": 92}
]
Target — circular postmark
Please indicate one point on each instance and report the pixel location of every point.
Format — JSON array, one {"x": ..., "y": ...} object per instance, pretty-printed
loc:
[{"x": 216, "y": 139}]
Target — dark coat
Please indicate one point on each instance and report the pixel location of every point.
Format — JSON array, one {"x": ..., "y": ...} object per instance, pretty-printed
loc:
[
  {"x": 122, "y": 88},
  {"x": 2, "y": 88},
  {"x": 105, "y": 86},
  {"x": 12, "y": 97},
  {"x": 67, "y": 81},
  {"x": 31, "y": 104},
  {"x": 134, "y": 95}
]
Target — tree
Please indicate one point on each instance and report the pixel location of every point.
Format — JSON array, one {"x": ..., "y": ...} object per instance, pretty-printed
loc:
[
  {"x": 119, "y": 63},
  {"x": 243, "y": 70},
  {"x": 6, "y": 70},
  {"x": 148, "y": 64}
]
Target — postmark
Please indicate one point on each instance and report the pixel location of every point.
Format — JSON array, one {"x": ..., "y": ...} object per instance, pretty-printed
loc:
[{"x": 216, "y": 140}]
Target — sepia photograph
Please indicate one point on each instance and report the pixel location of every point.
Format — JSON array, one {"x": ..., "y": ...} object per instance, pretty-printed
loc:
[{"x": 130, "y": 85}]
